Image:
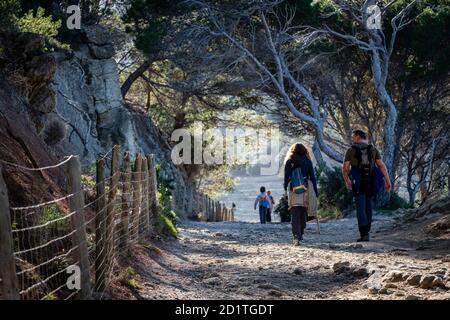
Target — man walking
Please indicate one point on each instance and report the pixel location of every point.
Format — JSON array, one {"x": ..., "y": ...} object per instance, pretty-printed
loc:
[{"x": 361, "y": 169}]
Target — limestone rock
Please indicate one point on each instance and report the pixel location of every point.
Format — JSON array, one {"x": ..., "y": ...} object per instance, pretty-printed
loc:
[
  {"x": 341, "y": 267},
  {"x": 275, "y": 293},
  {"x": 360, "y": 272},
  {"x": 414, "y": 280},
  {"x": 395, "y": 276},
  {"x": 426, "y": 281},
  {"x": 43, "y": 99},
  {"x": 97, "y": 34},
  {"x": 102, "y": 52},
  {"x": 375, "y": 282},
  {"x": 212, "y": 281}
]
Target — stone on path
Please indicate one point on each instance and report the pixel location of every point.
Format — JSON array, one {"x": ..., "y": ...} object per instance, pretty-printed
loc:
[
  {"x": 395, "y": 276},
  {"x": 414, "y": 280},
  {"x": 412, "y": 297}
]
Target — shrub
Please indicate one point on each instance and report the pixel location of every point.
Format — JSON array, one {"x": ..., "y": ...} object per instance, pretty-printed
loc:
[
  {"x": 54, "y": 132},
  {"x": 43, "y": 25},
  {"x": 396, "y": 202},
  {"x": 129, "y": 277},
  {"x": 9, "y": 12},
  {"x": 51, "y": 213},
  {"x": 166, "y": 226},
  {"x": 50, "y": 296},
  {"x": 333, "y": 194},
  {"x": 167, "y": 218},
  {"x": 282, "y": 209}
]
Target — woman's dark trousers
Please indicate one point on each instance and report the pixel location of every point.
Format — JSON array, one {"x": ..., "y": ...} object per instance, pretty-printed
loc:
[{"x": 298, "y": 219}]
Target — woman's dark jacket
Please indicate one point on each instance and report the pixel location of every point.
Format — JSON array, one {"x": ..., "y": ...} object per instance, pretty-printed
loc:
[{"x": 306, "y": 166}]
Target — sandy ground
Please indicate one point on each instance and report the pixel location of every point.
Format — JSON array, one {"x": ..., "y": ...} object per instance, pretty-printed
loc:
[{"x": 238, "y": 260}]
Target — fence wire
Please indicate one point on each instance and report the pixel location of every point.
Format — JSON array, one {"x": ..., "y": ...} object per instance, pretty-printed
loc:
[{"x": 44, "y": 248}]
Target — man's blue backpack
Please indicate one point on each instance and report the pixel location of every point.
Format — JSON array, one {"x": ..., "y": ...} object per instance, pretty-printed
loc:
[{"x": 298, "y": 184}]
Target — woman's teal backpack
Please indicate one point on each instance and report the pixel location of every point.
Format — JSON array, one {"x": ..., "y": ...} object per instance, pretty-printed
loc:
[{"x": 298, "y": 184}]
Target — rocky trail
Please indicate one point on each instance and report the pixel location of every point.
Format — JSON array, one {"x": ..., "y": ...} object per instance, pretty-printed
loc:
[{"x": 239, "y": 260}]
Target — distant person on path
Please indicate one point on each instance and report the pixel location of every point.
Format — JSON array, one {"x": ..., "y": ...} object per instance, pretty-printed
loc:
[
  {"x": 299, "y": 167},
  {"x": 270, "y": 209},
  {"x": 264, "y": 204},
  {"x": 363, "y": 172}
]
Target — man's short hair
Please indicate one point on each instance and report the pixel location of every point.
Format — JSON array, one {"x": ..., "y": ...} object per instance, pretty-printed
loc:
[
  {"x": 360, "y": 133},
  {"x": 263, "y": 189}
]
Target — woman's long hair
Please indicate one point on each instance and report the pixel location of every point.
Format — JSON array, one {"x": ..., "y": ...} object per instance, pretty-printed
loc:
[{"x": 297, "y": 149}]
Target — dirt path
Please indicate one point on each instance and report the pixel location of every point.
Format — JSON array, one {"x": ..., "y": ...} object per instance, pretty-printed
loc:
[{"x": 237, "y": 260}]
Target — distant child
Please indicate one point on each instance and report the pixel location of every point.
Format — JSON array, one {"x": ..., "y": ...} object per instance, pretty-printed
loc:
[
  {"x": 269, "y": 211},
  {"x": 264, "y": 203}
]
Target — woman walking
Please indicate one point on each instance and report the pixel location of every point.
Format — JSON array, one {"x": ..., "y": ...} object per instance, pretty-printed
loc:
[{"x": 298, "y": 158}]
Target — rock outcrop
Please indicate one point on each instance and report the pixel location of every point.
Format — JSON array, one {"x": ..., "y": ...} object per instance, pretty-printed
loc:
[{"x": 73, "y": 99}]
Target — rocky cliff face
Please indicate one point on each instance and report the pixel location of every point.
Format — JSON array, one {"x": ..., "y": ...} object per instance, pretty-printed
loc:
[{"x": 74, "y": 102}]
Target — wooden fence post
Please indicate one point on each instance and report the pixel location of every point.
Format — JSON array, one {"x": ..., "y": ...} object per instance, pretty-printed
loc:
[
  {"x": 145, "y": 222},
  {"x": 153, "y": 186},
  {"x": 111, "y": 206},
  {"x": 76, "y": 203},
  {"x": 196, "y": 202},
  {"x": 126, "y": 204},
  {"x": 100, "y": 229},
  {"x": 216, "y": 217},
  {"x": 208, "y": 208},
  {"x": 204, "y": 205},
  {"x": 211, "y": 208},
  {"x": 136, "y": 194},
  {"x": 8, "y": 274},
  {"x": 200, "y": 202}
]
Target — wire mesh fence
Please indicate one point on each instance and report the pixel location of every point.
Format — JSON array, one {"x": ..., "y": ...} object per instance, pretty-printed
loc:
[{"x": 68, "y": 247}]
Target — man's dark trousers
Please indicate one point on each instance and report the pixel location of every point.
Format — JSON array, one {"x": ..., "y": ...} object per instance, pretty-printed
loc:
[{"x": 364, "y": 213}]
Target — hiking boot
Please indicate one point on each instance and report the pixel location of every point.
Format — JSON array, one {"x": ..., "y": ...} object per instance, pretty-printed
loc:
[
  {"x": 363, "y": 239},
  {"x": 296, "y": 242}
]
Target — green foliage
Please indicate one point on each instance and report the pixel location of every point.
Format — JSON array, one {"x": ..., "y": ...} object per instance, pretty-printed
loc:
[
  {"x": 282, "y": 209},
  {"x": 167, "y": 218},
  {"x": 51, "y": 213},
  {"x": 88, "y": 181},
  {"x": 424, "y": 47},
  {"x": 9, "y": 12},
  {"x": 150, "y": 21},
  {"x": 50, "y": 296},
  {"x": 41, "y": 24},
  {"x": 216, "y": 180},
  {"x": 396, "y": 202},
  {"x": 130, "y": 277},
  {"x": 167, "y": 226},
  {"x": 333, "y": 194}
]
